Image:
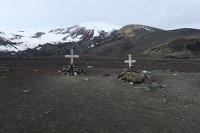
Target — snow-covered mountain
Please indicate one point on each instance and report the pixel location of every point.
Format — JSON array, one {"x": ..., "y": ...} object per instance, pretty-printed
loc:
[
  {"x": 95, "y": 39},
  {"x": 21, "y": 40}
]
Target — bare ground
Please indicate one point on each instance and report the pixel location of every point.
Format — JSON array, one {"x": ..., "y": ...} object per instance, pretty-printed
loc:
[{"x": 34, "y": 99}]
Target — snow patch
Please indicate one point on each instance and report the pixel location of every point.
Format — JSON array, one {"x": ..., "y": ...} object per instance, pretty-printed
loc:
[{"x": 148, "y": 29}]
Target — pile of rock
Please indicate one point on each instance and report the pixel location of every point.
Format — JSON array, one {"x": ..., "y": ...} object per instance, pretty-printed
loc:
[
  {"x": 72, "y": 69},
  {"x": 133, "y": 75}
]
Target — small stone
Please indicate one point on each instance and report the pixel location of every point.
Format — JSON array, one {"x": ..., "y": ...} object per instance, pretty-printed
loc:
[
  {"x": 147, "y": 89},
  {"x": 89, "y": 66},
  {"x": 144, "y": 71},
  {"x": 175, "y": 74},
  {"x": 75, "y": 74},
  {"x": 106, "y": 74},
  {"x": 131, "y": 83},
  {"x": 59, "y": 72},
  {"x": 64, "y": 73},
  {"x": 86, "y": 79},
  {"x": 50, "y": 73},
  {"x": 25, "y": 91},
  {"x": 35, "y": 70},
  {"x": 48, "y": 112},
  {"x": 163, "y": 86},
  {"x": 155, "y": 85},
  {"x": 164, "y": 100},
  {"x": 4, "y": 77},
  {"x": 183, "y": 119}
]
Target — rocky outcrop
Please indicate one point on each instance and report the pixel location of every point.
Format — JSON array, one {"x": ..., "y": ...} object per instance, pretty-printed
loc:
[
  {"x": 180, "y": 48},
  {"x": 132, "y": 75}
]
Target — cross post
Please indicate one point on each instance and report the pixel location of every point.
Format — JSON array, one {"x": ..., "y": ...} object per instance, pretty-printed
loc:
[
  {"x": 129, "y": 61},
  {"x": 72, "y": 56}
]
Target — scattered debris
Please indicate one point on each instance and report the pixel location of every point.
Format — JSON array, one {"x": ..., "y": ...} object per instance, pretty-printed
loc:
[
  {"x": 72, "y": 70},
  {"x": 132, "y": 75}
]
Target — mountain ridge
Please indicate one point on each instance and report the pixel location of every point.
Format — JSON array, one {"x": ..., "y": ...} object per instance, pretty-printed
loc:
[
  {"x": 74, "y": 33},
  {"x": 132, "y": 39}
]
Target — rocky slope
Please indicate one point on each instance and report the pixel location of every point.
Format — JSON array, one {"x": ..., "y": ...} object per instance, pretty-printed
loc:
[
  {"x": 138, "y": 39},
  {"x": 180, "y": 48}
]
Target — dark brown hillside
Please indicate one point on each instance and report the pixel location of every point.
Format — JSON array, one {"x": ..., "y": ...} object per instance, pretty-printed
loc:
[
  {"x": 180, "y": 48},
  {"x": 138, "y": 39}
]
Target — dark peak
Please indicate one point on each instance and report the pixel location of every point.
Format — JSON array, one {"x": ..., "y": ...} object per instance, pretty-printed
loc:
[
  {"x": 63, "y": 30},
  {"x": 186, "y": 31},
  {"x": 16, "y": 36},
  {"x": 132, "y": 29},
  {"x": 2, "y": 32},
  {"x": 38, "y": 35},
  {"x": 6, "y": 42}
]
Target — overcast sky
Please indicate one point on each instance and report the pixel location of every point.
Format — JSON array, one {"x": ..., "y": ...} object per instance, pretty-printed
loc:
[{"x": 166, "y": 14}]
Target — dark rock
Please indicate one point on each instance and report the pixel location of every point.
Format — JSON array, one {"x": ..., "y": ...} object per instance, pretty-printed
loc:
[
  {"x": 4, "y": 77},
  {"x": 106, "y": 74},
  {"x": 64, "y": 73},
  {"x": 26, "y": 91},
  {"x": 155, "y": 85}
]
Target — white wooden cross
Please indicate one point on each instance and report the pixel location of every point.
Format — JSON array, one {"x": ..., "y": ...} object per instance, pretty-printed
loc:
[
  {"x": 72, "y": 56},
  {"x": 129, "y": 61}
]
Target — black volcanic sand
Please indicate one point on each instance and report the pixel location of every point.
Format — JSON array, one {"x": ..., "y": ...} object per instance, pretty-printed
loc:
[{"x": 34, "y": 99}]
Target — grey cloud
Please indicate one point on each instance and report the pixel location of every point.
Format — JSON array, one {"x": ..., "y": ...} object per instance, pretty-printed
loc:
[{"x": 165, "y": 14}]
